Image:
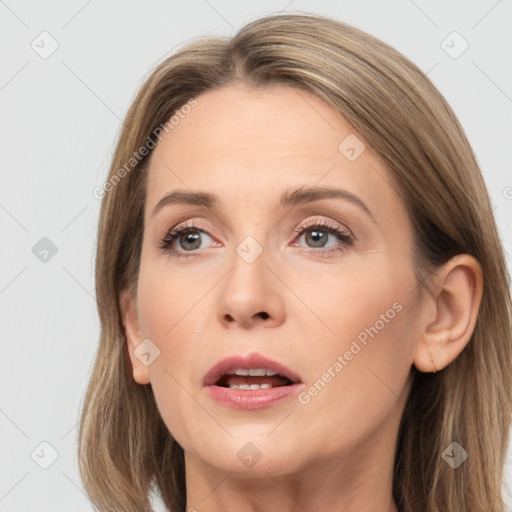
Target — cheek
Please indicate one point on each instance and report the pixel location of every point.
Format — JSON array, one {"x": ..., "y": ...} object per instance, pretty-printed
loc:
[
  {"x": 362, "y": 381},
  {"x": 170, "y": 313},
  {"x": 168, "y": 295},
  {"x": 176, "y": 311},
  {"x": 363, "y": 332},
  {"x": 358, "y": 371},
  {"x": 364, "y": 302}
]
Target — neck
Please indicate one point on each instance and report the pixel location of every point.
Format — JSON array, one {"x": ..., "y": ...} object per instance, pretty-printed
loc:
[
  {"x": 296, "y": 493},
  {"x": 350, "y": 482}
]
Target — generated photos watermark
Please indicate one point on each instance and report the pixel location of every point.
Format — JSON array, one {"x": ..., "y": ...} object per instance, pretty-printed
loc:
[
  {"x": 355, "y": 348},
  {"x": 137, "y": 156}
]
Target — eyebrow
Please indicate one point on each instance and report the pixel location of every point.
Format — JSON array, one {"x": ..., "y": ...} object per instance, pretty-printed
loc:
[{"x": 288, "y": 198}]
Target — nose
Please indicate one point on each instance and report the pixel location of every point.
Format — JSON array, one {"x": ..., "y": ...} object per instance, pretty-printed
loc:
[{"x": 250, "y": 295}]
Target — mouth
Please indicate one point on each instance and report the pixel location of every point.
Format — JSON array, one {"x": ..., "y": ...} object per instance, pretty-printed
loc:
[
  {"x": 250, "y": 382},
  {"x": 255, "y": 378}
]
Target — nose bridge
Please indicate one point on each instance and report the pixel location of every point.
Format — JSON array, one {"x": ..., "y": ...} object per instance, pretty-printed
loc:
[
  {"x": 249, "y": 292},
  {"x": 250, "y": 229},
  {"x": 249, "y": 262}
]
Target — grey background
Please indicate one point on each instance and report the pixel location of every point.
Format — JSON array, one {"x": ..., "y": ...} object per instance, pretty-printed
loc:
[{"x": 59, "y": 123}]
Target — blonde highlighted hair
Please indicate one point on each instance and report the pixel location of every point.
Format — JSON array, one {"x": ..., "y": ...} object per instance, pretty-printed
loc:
[{"x": 124, "y": 445}]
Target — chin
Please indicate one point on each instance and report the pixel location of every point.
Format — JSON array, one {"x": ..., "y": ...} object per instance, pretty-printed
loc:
[{"x": 252, "y": 458}]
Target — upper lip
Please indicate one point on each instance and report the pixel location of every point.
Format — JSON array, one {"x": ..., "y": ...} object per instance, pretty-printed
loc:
[{"x": 229, "y": 364}]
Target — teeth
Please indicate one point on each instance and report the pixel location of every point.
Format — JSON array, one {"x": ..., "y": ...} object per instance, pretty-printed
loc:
[
  {"x": 255, "y": 372},
  {"x": 251, "y": 386}
]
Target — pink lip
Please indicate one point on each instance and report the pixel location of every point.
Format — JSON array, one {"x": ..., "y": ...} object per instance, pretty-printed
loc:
[{"x": 250, "y": 399}]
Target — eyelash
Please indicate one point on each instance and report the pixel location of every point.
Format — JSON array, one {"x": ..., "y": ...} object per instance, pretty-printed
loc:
[{"x": 344, "y": 236}]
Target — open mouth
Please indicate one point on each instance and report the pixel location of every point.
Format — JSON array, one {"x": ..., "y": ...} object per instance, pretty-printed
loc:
[{"x": 253, "y": 379}]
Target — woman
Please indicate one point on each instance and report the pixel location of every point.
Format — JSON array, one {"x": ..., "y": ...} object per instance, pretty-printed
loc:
[{"x": 303, "y": 295}]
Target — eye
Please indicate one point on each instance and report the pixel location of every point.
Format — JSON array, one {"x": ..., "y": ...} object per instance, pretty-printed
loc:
[
  {"x": 318, "y": 232},
  {"x": 188, "y": 236}
]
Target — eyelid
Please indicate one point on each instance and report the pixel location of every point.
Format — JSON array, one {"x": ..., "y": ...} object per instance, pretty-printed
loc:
[
  {"x": 188, "y": 225},
  {"x": 193, "y": 224},
  {"x": 327, "y": 224}
]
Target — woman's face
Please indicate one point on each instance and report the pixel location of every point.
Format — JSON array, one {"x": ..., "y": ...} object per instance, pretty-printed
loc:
[{"x": 319, "y": 283}]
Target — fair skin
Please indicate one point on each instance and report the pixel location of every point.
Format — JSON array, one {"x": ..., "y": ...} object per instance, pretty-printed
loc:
[{"x": 336, "y": 451}]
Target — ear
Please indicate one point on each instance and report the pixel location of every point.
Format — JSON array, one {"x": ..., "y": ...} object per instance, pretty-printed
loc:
[
  {"x": 450, "y": 313},
  {"x": 127, "y": 303}
]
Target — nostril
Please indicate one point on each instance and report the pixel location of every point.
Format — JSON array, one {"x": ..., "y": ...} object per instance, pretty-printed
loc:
[{"x": 264, "y": 315}]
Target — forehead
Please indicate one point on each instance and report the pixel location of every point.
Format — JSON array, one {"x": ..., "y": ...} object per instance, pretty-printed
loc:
[
  {"x": 255, "y": 121},
  {"x": 245, "y": 143}
]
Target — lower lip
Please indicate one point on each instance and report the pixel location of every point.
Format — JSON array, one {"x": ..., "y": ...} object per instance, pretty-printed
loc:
[{"x": 252, "y": 398}]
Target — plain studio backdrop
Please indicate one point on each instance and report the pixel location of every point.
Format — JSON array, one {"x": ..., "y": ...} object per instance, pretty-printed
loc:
[{"x": 69, "y": 72}]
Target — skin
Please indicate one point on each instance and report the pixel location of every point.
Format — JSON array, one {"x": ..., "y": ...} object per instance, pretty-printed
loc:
[{"x": 335, "y": 452}]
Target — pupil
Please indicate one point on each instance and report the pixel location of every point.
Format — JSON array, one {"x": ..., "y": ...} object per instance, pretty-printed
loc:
[
  {"x": 191, "y": 238},
  {"x": 317, "y": 237}
]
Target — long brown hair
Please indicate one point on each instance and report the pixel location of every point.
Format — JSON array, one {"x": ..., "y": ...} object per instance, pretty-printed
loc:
[{"x": 124, "y": 445}]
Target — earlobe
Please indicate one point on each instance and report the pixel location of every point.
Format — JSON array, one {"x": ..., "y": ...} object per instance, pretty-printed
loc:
[
  {"x": 127, "y": 303},
  {"x": 452, "y": 314}
]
